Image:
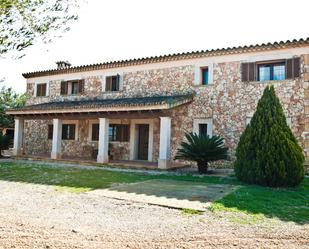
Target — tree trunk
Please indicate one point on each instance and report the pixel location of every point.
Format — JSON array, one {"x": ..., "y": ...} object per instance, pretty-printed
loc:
[{"x": 202, "y": 167}]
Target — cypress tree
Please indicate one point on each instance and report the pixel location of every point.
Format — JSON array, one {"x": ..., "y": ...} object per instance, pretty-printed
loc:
[{"x": 268, "y": 153}]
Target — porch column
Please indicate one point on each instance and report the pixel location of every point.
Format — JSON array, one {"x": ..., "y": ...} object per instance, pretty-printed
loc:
[
  {"x": 57, "y": 135},
  {"x": 103, "y": 141},
  {"x": 18, "y": 136},
  {"x": 165, "y": 142}
]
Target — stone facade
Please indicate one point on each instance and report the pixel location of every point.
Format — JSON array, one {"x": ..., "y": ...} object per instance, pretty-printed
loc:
[
  {"x": 36, "y": 141},
  {"x": 228, "y": 101}
]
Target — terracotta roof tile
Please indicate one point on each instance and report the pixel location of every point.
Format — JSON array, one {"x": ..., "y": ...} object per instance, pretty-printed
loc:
[
  {"x": 173, "y": 57},
  {"x": 170, "y": 100}
]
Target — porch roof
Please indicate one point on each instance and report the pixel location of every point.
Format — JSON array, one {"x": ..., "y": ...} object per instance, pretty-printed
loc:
[{"x": 105, "y": 105}]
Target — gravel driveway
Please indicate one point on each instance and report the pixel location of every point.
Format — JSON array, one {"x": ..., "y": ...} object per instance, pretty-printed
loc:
[{"x": 37, "y": 216}]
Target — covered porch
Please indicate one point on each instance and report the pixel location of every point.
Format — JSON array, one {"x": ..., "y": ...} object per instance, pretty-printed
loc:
[{"x": 131, "y": 131}]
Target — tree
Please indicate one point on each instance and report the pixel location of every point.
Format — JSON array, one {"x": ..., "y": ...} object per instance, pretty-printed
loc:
[
  {"x": 23, "y": 22},
  {"x": 202, "y": 150},
  {"x": 9, "y": 99},
  {"x": 268, "y": 153}
]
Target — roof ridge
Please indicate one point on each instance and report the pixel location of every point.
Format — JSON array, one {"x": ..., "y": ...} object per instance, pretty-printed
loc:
[{"x": 169, "y": 57}]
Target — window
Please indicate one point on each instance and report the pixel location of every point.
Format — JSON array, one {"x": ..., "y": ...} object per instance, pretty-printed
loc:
[
  {"x": 112, "y": 83},
  {"x": 75, "y": 87},
  {"x": 72, "y": 87},
  {"x": 95, "y": 132},
  {"x": 41, "y": 89},
  {"x": 203, "y": 126},
  {"x": 119, "y": 132},
  {"x": 271, "y": 71},
  {"x": 50, "y": 132},
  {"x": 202, "y": 129},
  {"x": 204, "y": 75},
  {"x": 68, "y": 131}
]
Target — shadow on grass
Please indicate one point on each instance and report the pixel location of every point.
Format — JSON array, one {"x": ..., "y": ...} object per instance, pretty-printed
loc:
[
  {"x": 287, "y": 204},
  {"x": 87, "y": 178}
]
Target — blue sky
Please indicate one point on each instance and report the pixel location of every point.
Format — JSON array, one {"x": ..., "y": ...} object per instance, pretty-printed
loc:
[{"x": 122, "y": 29}]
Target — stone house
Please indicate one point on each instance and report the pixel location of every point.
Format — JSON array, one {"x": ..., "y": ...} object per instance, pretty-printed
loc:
[{"x": 139, "y": 109}]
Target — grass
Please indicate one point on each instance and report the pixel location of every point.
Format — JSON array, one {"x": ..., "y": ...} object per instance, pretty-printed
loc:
[
  {"x": 62, "y": 189},
  {"x": 252, "y": 202},
  {"x": 288, "y": 204},
  {"x": 188, "y": 211},
  {"x": 87, "y": 179},
  {"x": 246, "y": 219}
]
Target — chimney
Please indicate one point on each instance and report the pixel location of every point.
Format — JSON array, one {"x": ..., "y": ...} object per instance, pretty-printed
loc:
[{"x": 63, "y": 64}]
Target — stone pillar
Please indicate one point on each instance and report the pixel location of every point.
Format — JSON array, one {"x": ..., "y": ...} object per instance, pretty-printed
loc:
[
  {"x": 132, "y": 141},
  {"x": 103, "y": 141},
  {"x": 57, "y": 136},
  {"x": 165, "y": 142},
  {"x": 18, "y": 137}
]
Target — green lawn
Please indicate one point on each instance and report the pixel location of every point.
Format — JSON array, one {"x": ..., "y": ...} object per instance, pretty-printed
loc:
[{"x": 288, "y": 204}]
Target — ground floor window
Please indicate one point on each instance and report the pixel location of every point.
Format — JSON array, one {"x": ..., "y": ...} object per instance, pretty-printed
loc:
[
  {"x": 95, "y": 132},
  {"x": 50, "y": 131},
  {"x": 116, "y": 132},
  {"x": 68, "y": 131},
  {"x": 202, "y": 126},
  {"x": 119, "y": 132},
  {"x": 202, "y": 129}
]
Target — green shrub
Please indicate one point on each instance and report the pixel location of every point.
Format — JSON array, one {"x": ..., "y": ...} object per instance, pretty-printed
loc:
[
  {"x": 202, "y": 149},
  {"x": 268, "y": 153}
]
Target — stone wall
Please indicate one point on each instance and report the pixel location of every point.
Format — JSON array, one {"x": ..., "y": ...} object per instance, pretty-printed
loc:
[
  {"x": 138, "y": 83},
  {"x": 227, "y": 101},
  {"x": 35, "y": 137},
  {"x": 36, "y": 141}
]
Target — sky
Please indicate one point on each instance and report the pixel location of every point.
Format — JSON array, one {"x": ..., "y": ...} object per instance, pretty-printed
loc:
[{"x": 123, "y": 29}]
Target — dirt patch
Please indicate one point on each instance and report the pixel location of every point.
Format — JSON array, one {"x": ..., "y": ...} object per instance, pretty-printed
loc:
[{"x": 38, "y": 216}]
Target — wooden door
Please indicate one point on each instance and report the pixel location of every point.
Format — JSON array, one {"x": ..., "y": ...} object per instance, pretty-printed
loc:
[{"x": 143, "y": 139}]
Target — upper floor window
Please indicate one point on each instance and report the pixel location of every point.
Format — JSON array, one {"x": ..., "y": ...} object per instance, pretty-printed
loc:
[
  {"x": 112, "y": 83},
  {"x": 72, "y": 87},
  {"x": 41, "y": 90},
  {"x": 75, "y": 87},
  {"x": 203, "y": 74},
  {"x": 271, "y": 71},
  {"x": 204, "y": 71},
  {"x": 119, "y": 132}
]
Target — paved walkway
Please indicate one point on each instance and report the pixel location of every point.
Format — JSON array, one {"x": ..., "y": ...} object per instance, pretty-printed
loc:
[{"x": 169, "y": 193}]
